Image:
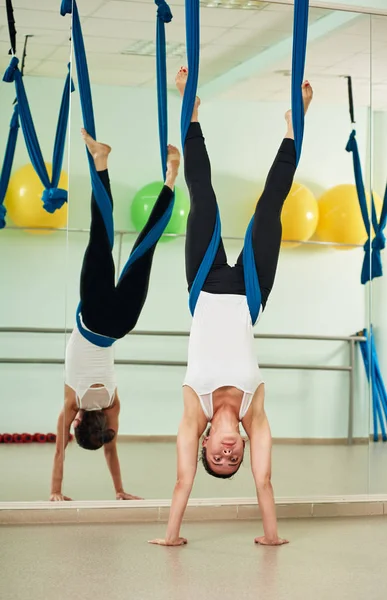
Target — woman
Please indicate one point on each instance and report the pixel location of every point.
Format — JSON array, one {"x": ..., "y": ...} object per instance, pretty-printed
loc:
[
  {"x": 223, "y": 384},
  {"x": 91, "y": 400}
]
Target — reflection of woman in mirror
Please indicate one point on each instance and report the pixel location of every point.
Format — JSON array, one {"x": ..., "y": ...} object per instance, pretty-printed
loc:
[
  {"x": 91, "y": 400},
  {"x": 223, "y": 384}
]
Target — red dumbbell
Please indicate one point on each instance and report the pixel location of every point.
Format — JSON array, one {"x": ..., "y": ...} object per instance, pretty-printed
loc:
[
  {"x": 1, "y": 438},
  {"x": 40, "y": 438},
  {"x": 71, "y": 437},
  {"x": 17, "y": 438},
  {"x": 7, "y": 438},
  {"x": 27, "y": 438},
  {"x": 51, "y": 438}
]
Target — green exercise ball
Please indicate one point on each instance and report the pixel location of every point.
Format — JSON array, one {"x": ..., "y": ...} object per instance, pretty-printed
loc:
[{"x": 144, "y": 201}]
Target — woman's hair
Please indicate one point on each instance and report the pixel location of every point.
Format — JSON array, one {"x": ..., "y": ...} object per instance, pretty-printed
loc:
[
  {"x": 207, "y": 466},
  {"x": 92, "y": 433}
]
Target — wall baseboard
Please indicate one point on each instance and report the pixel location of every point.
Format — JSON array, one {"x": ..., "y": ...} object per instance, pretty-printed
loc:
[
  {"x": 160, "y": 439},
  {"x": 215, "y": 509}
]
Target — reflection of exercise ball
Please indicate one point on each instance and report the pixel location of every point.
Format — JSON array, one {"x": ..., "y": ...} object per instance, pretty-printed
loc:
[
  {"x": 340, "y": 218},
  {"x": 299, "y": 215},
  {"x": 24, "y": 200},
  {"x": 144, "y": 201}
]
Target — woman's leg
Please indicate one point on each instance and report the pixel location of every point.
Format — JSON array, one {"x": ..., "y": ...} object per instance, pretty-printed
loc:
[
  {"x": 97, "y": 283},
  {"x": 267, "y": 228},
  {"x": 203, "y": 209},
  {"x": 132, "y": 289}
]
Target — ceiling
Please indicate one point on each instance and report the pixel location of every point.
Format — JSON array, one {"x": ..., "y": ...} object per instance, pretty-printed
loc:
[{"x": 119, "y": 38}]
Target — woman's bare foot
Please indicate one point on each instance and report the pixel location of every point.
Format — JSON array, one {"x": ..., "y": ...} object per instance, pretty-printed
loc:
[
  {"x": 181, "y": 82},
  {"x": 173, "y": 159},
  {"x": 173, "y": 163},
  {"x": 98, "y": 151},
  {"x": 307, "y": 97}
]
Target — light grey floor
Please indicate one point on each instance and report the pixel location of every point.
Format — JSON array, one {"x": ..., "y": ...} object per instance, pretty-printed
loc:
[
  {"x": 326, "y": 560},
  {"x": 149, "y": 470}
]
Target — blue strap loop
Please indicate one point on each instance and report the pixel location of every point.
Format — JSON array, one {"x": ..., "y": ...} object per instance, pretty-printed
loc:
[
  {"x": 52, "y": 197},
  {"x": 10, "y": 72},
  {"x": 100, "y": 194},
  {"x": 353, "y": 148},
  {"x": 163, "y": 11}
]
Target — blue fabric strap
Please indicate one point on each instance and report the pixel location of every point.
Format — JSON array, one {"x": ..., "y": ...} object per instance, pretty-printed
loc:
[
  {"x": 8, "y": 162},
  {"x": 300, "y": 37},
  {"x": 353, "y": 148},
  {"x": 53, "y": 197},
  {"x": 100, "y": 194},
  {"x": 374, "y": 376}
]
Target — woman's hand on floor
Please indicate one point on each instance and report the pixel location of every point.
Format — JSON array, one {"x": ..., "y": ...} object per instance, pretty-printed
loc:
[
  {"x": 125, "y": 496},
  {"x": 59, "y": 498},
  {"x": 162, "y": 542},
  {"x": 263, "y": 541}
]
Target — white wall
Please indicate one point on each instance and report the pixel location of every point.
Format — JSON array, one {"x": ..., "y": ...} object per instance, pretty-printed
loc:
[{"x": 316, "y": 291}]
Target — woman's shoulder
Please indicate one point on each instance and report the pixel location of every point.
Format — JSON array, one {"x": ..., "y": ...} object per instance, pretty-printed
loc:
[{"x": 193, "y": 410}]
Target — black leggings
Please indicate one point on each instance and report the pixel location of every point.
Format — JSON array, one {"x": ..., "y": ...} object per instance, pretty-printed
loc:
[
  {"x": 267, "y": 229},
  {"x": 108, "y": 309}
]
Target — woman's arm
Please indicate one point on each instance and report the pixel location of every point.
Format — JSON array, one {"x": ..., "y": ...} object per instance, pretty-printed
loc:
[
  {"x": 111, "y": 454},
  {"x": 260, "y": 450},
  {"x": 66, "y": 417},
  {"x": 187, "y": 458},
  {"x": 191, "y": 428}
]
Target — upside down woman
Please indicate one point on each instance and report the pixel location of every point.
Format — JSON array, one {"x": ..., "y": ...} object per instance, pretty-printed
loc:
[
  {"x": 223, "y": 385},
  {"x": 91, "y": 400}
]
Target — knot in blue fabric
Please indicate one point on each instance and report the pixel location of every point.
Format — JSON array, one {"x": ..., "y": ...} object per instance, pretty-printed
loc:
[
  {"x": 379, "y": 241},
  {"x": 66, "y": 8},
  {"x": 9, "y": 75},
  {"x": 349, "y": 146},
  {"x": 3, "y": 212},
  {"x": 164, "y": 12},
  {"x": 53, "y": 199}
]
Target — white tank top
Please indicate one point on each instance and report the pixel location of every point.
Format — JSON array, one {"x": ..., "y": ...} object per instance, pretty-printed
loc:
[
  {"x": 221, "y": 350},
  {"x": 87, "y": 364}
]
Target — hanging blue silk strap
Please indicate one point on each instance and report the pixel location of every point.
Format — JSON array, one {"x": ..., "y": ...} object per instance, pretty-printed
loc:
[
  {"x": 53, "y": 197},
  {"x": 353, "y": 148},
  {"x": 8, "y": 162}
]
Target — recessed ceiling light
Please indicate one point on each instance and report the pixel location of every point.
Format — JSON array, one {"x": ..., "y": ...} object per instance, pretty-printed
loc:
[
  {"x": 148, "y": 48},
  {"x": 247, "y": 4}
]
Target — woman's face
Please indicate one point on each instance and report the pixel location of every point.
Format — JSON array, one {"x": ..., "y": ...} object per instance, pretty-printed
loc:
[{"x": 224, "y": 452}]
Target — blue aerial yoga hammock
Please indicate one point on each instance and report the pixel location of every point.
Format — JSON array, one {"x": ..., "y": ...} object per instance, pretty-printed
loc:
[
  {"x": 300, "y": 30},
  {"x": 53, "y": 197},
  {"x": 8, "y": 162},
  {"x": 164, "y": 15},
  {"x": 372, "y": 263},
  {"x": 13, "y": 126}
]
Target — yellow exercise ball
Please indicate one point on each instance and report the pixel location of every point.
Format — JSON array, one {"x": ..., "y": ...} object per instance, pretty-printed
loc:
[
  {"x": 299, "y": 215},
  {"x": 340, "y": 220},
  {"x": 24, "y": 204}
]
